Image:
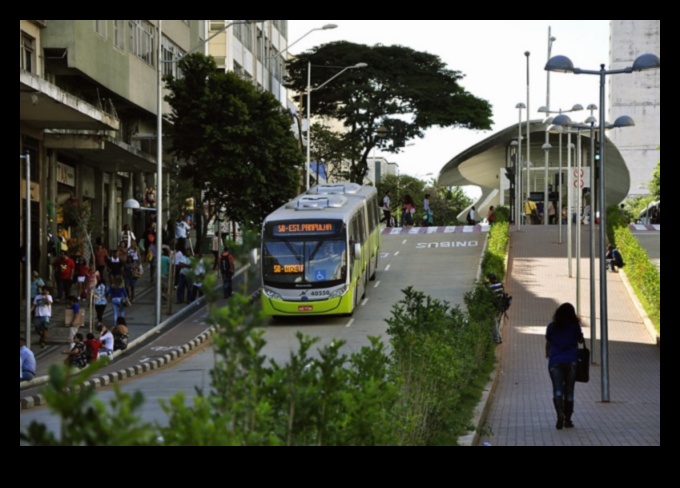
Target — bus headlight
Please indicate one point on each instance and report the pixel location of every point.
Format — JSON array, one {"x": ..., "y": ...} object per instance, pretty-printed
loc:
[
  {"x": 271, "y": 294},
  {"x": 339, "y": 292}
]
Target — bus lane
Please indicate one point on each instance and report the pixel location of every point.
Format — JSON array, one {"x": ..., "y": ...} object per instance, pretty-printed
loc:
[{"x": 441, "y": 265}]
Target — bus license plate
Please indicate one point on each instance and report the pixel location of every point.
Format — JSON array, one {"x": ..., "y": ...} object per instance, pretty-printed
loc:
[{"x": 305, "y": 308}]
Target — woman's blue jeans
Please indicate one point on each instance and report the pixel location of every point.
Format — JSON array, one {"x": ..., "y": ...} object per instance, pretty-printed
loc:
[{"x": 563, "y": 376}]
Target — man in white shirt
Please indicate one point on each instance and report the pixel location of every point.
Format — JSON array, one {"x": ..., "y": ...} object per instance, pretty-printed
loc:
[
  {"x": 42, "y": 305},
  {"x": 181, "y": 233}
]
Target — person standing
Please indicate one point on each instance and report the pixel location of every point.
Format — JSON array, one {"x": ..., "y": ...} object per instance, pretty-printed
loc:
[
  {"x": 408, "y": 209},
  {"x": 227, "y": 271},
  {"x": 181, "y": 233},
  {"x": 99, "y": 294},
  {"x": 387, "y": 211},
  {"x": 491, "y": 215},
  {"x": 562, "y": 337},
  {"x": 36, "y": 285},
  {"x": 115, "y": 266},
  {"x": 165, "y": 270},
  {"x": 127, "y": 237},
  {"x": 183, "y": 265},
  {"x": 471, "y": 216},
  {"x": 131, "y": 273},
  {"x": 101, "y": 256},
  {"x": 531, "y": 212},
  {"x": 551, "y": 213},
  {"x": 27, "y": 365},
  {"x": 42, "y": 306},
  {"x": 66, "y": 269},
  {"x": 215, "y": 248},
  {"x": 428, "y": 218},
  {"x": 497, "y": 288}
]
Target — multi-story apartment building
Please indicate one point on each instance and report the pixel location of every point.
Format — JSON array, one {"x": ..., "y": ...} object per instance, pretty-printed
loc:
[
  {"x": 638, "y": 96},
  {"x": 88, "y": 111}
]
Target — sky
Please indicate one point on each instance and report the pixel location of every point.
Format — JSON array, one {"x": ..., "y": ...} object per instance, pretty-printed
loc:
[{"x": 490, "y": 55}]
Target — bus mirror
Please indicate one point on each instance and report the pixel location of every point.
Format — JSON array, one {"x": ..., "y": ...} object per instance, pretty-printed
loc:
[
  {"x": 357, "y": 250},
  {"x": 254, "y": 256}
]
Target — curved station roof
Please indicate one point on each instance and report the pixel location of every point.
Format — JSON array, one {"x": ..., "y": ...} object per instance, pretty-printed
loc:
[{"x": 480, "y": 164}]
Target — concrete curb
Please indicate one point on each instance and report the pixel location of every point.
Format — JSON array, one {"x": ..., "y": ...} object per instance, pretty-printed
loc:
[
  {"x": 38, "y": 399},
  {"x": 482, "y": 408},
  {"x": 109, "y": 378},
  {"x": 643, "y": 314}
]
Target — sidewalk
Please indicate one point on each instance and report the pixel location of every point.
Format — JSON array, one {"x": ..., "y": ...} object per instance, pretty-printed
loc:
[
  {"x": 140, "y": 317},
  {"x": 519, "y": 411}
]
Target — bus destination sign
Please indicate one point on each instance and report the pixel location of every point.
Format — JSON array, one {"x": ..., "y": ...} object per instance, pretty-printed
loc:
[{"x": 282, "y": 229}]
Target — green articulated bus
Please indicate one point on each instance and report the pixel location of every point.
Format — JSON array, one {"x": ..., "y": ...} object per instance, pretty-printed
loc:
[{"x": 320, "y": 250}]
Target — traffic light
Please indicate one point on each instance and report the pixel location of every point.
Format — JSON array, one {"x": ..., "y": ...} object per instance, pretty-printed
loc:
[
  {"x": 510, "y": 174},
  {"x": 597, "y": 154}
]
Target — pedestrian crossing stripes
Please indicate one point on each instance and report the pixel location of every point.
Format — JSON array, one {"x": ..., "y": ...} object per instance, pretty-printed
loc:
[{"x": 450, "y": 229}]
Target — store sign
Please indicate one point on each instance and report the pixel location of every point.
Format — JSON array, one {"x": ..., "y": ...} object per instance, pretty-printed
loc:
[{"x": 66, "y": 174}]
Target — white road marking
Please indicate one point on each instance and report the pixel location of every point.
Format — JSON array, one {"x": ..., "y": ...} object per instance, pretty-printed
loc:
[
  {"x": 403, "y": 242},
  {"x": 376, "y": 284},
  {"x": 351, "y": 321},
  {"x": 387, "y": 267},
  {"x": 364, "y": 301},
  {"x": 396, "y": 253}
]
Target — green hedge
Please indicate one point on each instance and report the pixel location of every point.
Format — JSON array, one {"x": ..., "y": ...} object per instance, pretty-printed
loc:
[{"x": 643, "y": 275}]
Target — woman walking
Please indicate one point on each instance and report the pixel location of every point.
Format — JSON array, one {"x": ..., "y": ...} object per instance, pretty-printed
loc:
[
  {"x": 562, "y": 337},
  {"x": 118, "y": 297}
]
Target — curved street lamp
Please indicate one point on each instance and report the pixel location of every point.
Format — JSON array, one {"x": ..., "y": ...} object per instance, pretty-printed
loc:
[{"x": 309, "y": 91}]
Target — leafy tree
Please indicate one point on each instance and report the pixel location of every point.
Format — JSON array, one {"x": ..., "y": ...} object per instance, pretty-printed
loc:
[
  {"x": 333, "y": 148},
  {"x": 234, "y": 142},
  {"x": 655, "y": 184},
  {"x": 404, "y": 90}
]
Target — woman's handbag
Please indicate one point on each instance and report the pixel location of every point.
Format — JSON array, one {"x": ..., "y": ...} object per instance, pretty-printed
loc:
[{"x": 583, "y": 364}]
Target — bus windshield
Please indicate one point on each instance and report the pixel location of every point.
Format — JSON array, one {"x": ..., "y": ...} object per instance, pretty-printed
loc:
[{"x": 313, "y": 261}]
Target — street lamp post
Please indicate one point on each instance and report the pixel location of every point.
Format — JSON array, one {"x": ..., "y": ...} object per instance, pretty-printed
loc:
[
  {"x": 309, "y": 91},
  {"x": 527, "y": 190},
  {"x": 159, "y": 144},
  {"x": 565, "y": 123},
  {"x": 547, "y": 145},
  {"x": 28, "y": 247},
  {"x": 563, "y": 64},
  {"x": 548, "y": 120},
  {"x": 622, "y": 121},
  {"x": 519, "y": 201}
]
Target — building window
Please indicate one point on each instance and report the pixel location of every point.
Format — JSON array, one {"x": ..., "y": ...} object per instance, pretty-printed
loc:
[
  {"x": 141, "y": 40},
  {"x": 100, "y": 27},
  {"x": 27, "y": 55},
  {"x": 238, "y": 70},
  {"x": 247, "y": 39},
  {"x": 119, "y": 34},
  {"x": 170, "y": 54}
]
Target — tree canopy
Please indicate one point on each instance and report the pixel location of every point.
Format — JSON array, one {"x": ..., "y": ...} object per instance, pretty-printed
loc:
[
  {"x": 403, "y": 90},
  {"x": 234, "y": 142}
]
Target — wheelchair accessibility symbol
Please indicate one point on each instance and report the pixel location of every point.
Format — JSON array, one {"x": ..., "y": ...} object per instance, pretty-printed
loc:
[{"x": 320, "y": 275}]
